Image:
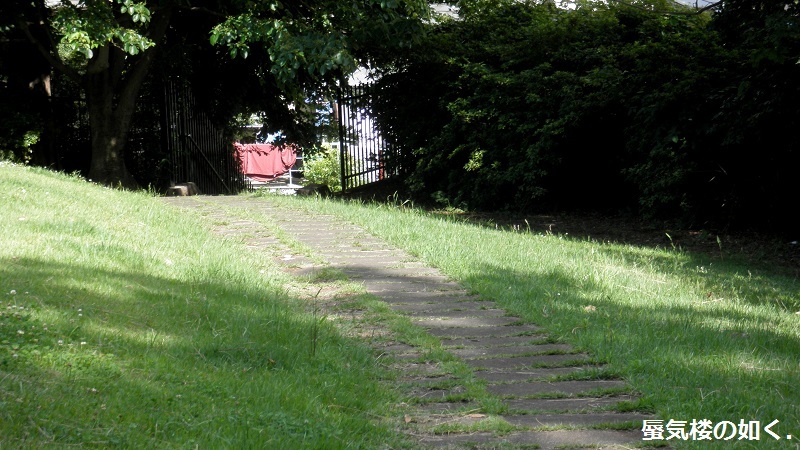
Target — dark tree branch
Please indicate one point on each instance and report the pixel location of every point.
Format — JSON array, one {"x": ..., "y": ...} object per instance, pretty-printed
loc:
[
  {"x": 42, "y": 10},
  {"x": 99, "y": 62},
  {"x": 158, "y": 28},
  {"x": 117, "y": 60},
  {"x": 52, "y": 59}
]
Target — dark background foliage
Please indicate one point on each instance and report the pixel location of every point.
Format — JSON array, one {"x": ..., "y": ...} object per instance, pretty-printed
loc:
[
  {"x": 640, "y": 107},
  {"x": 653, "y": 110}
]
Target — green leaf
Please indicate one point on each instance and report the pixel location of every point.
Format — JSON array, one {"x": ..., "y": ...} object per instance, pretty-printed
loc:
[{"x": 214, "y": 38}]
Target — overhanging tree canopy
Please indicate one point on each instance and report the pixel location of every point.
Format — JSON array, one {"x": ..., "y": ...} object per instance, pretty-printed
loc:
[{"x": 109, "y": 47}]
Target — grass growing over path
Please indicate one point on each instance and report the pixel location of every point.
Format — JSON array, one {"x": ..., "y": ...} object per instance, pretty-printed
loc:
[
  {"x": 124, "y": 323},
  {"x": 700, "y": 338}
]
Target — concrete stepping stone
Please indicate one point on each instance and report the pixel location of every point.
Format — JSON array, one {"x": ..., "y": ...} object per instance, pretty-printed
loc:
[
  {"x": 472, "y": 322},
  {"x": 525, "y": 375},
  {"x": 491, "y": 352},
  {"x": 417, "y": 356},
  {"x": 416, "y": 286},
  {"x": 571, "y": 404},
  {"x": 533, "y": 388},
  {"x": 455, "y": 304},
  {"x": 476, "y": 332},
  {"x": 488, "y": 342},
  {"x": 575, "y": 420},
  {"x": 456, "y": 313},
  {"x": 400, "y": 272},
  {"x": 528, "y": 361},
  {"x": 424, "y": 297}
]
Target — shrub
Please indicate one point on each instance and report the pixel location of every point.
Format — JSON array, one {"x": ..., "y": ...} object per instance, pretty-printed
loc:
[{"x": 322, "y": 166}]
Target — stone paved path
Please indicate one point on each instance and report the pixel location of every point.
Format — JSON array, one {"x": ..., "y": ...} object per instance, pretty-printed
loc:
[{"x": 515, "y": 360}]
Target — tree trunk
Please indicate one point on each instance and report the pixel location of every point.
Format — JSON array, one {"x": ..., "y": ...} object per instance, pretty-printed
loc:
[
  {"x": 113, "y": 81},
  {"x": 108, "y": 156},
  {"x": 109, "y": 121}
]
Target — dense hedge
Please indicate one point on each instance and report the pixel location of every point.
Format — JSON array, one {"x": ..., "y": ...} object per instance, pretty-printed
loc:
[{"x": 644, "y": 108}]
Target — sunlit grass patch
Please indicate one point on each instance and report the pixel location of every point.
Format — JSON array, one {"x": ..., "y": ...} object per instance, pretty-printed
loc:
[
  {"x": 698, "y": 336},
  {"x": 125, "y": 323},
  {"x": 473, "y": 423}
]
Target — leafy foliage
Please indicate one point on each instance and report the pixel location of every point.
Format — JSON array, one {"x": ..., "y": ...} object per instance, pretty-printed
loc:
[
  {"x": 323, "y": 167},
  {"x": 647, "y": 107},
  {"x": 320, "y": 37},
  {"x": 88, "y": 24},
  {"x": 243, "y": 56}
]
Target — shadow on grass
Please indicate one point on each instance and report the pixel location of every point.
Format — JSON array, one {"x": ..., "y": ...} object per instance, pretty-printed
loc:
[
  {"x": 752, "y": 283},
  {"x": 758, "y": 250},
  {"x": 114, "y": 357},
  {"x": 718, "y": 361}
]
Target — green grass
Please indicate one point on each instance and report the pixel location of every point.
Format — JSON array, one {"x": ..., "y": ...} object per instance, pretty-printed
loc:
[
  {"x": 699, "y": 337},
  {"x": 124, "y": 323}
]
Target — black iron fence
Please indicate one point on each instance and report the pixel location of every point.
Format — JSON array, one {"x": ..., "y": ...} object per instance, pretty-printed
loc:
[
  {"x": 365, "y": 156},
  {"x": 199, "y": 151},
  {"x": 66, "y": 135}
]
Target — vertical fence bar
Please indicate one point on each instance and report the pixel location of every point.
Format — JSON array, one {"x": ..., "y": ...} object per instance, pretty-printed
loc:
[
  {"x": 340, "y": 115},
  {"x": 365, "y": 157},
  {"x": 199, "y": 150}
]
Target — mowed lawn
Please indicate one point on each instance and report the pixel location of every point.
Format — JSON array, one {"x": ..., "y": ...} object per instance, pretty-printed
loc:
[
  {"x": 127, "y": 324},
  {"x": 124, "y": 323},
  {"x": 700, "y": 337}
]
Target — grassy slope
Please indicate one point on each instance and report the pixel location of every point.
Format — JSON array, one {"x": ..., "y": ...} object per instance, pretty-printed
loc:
[
  {"x": 700, "y": 338},
  {"x": 124, "y": 323}
]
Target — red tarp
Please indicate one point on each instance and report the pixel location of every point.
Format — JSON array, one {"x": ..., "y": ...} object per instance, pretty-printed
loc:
[{"x": 265, "y": 162}]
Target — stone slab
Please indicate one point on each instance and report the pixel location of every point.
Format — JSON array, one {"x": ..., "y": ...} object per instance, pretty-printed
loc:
[
  {"x": 472, "y": 322},
  {"x": 526, "y": 361},
  {"x": 525, "y": 375},
  {"x": 459, "y": 313},
  {"x": 476, "y": 332},
  {"x": 493, "y": 352},
  {"x": 575, "y": 420},
  {"x": 396, "y": 272},
  {"x": 530, "y": 388},
  {"x": 487, "y": 342},
  {"x": 573, "y": 404},
  {"x": 424, "y": 297},
  {"x": 450, "y": 304},
  {"x": 377, "y": 287}
]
